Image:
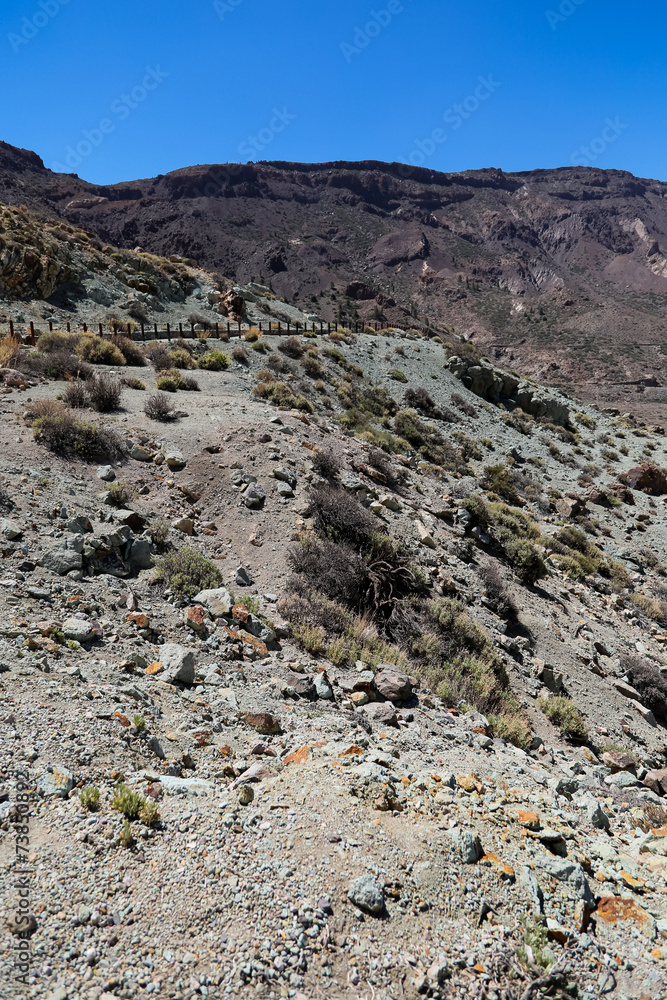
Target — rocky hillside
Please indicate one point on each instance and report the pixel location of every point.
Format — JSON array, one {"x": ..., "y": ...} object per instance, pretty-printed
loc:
[
  {"x": 560, "y": 273},
  {"x": 332, "y": 666}
]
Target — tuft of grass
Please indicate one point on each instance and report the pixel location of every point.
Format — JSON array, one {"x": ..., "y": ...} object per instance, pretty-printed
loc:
[
  {"x": 181, "y": 359},
  {"x": 127, "y": 802},
  {"x": 159, "y": 531},
  {"x": 120, "y": 494},
  {"x": 139, "y": 723},
  {"x": 125, "y": 837},
  {"x": 564, "y": 714}
]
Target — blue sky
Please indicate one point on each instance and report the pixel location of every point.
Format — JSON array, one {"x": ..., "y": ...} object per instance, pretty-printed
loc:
[{"x": 121, "y": 89}]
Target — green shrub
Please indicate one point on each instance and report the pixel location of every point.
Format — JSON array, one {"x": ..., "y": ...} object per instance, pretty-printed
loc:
[
  {"x": 120, "y": 494},
  {"x": 500, "y": 481},
  {"x": 97, "y": 351},
  {"x": 214, "y": 361},
  {"x": 133, "y": 355},
  {"x": 59, "y": 342},
  {"x": 181, "y": 359},
  {"x": 562, "y": 712},
  {"x": 139, "y": 723},
  {"x": 186, "y": 572},
  {"x": 133, "y": 383},
  {"x": 167, "y": 384},
  {"x": 428, "y": 441},
  {"x": 159, "y": 531},
  {"x": 280, "y": 394},
  {"x": 89, "y": 797},
  {"x": 397, "y": 375},
  {"x": 149, "y": 814},
  {"x": 125, "y": 837}
]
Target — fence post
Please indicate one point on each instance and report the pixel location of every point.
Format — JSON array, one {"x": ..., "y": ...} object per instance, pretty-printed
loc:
[
  {"x": 100, "y": 329},
  {"x": 168, "y": 332},
  {"x": 32, "y": 333},
  {"x": 260, "y": 327},
  {"x": 155, "y": 326},
  {"x": 192, "y": 329},
  {"x": 11, "y": 328},
  {"x": 227, "y": 327},
  {"x": 50, "y": 326},
  {"x": 216, "y": 331},
  {"x": 142, "y": 332},
  {"x": 115, "y": 329},
  {"x": 85, "y": 328},
  {"x": 68, "y": 329},
  {"x": 239, "y": 329}
]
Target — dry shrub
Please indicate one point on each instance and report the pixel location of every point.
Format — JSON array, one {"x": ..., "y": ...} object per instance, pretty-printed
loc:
[
  {"x": 277, "y": 364},
  {"x": 186, "y": 572},
  {"x": 341, "y": 517},
  {"x": 497, "y": 594},
  {"x": 63, "y": 434},
  {"x": 463, "y": 405},
  {"x": 9, "y": 349},
  {"x": 327, "y": 464},
  {"x": 334, "y": 569},
  {"x": 158, "y": 355},
  {"x": 59, "y": 364},
  {"x": 292, "y": 347},
  {"x": 159, "y": 407},
  {"x": 393, "y": 475},
  {"x": 104, "y": 393},
  {"x": 189, "y": 384},
  {"x": 133, "y": 355},
  {"x": 56, "y": 341},
  {"x": 240, "y": 355},
  {"x": 312, "y": 367},
  {"x": 649, "y": 682},
  {"x": 76, "y": 396},
  {"x": 182, "y": 359}
]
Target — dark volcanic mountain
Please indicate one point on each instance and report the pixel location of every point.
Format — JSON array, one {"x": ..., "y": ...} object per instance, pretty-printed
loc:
[{"x": 562, "y": 273}]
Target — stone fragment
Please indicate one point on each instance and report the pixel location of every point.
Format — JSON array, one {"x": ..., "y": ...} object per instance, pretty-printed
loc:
[
  {"x": 616, "y": 760},
  {"x": 139, "y": 453},
  {"x": 195, "y": 618},
  {"x": 322, "y": 687},
  {"x": 285, "y": 475},
  {"x": 78, "y": 629},
  {"x": 106, "y": 474},
  {"x": 10, "y": 529},
  {"x": 425, "y": 536},
  {"x": 243, "y": 578},
  {"x": 178, "y": 664},
  {"x": 173, "y": 457},
  {"x": 392, "y": 683},
  {"x": 647, "y": 478},
  {"x": 246, "y": 795},
  {"x": 185, "y": 525},
  {"x": 657, "y": 781},
  {"x": 646, "y": 713},
  {"x": 64, "y": 558},
  {"x": 468, "y": 845},
  {"x": 302, "y": 685},
  {"x": 569, "y": 872},
  {"x": 530, "y": 820},
  {"x": 366, "y": 893},
  {"x": 381, "y": 712},
  {"x": 55, "y": 781},
  {"x": 614, "y": 909},
  {"x": 263, "y": 722}
]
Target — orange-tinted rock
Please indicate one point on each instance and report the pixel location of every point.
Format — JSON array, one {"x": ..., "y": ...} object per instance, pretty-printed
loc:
[
  {"x": 154, "y": 668},
  {"x": 139, "y": 619},
  {"x": 263, "y": 722},
  {"x": 300, "y": 756},
  {"x": 530, "y": 820},
  {"x": 195, "y": 618},
  {"x": 646, "y": 477},
  {"x": 614, "y": 909}
]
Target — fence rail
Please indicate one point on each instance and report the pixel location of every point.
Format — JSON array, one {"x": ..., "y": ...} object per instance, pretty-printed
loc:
[{"x": 165, "y": 331}]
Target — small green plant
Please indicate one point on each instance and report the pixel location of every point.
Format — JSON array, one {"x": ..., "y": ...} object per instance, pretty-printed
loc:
[
  {"x": 186, "y": 572},
  {"x": 159, "y": 531},
  {"x": 120, "y": 494},
  {"x": 150, "y": 814},
  {"x": 72, "y": 644},
  {"x": 127, "y": 802},
  {"x": 167, "y": 384},
  {"x": 397, "y": 375},
  {"x": 535, "y": 949},
  {"x": 133, "y": 383},
  {"x": 89, "y": 797},
  {"x": 562, "y": 712},
  {"x": 253, "y": 604},
  {"x": 139, "y": 723},
  {"x": 181, "y": 359},
  {"x": 125, "y": 837}
]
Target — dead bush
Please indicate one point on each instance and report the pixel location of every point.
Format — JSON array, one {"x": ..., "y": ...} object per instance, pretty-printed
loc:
[
  {"x": 312, "y": 367},
  {"x": 292, "y": 347},
  {"x": 327, "y": 464},
  {"x": 393, "y": 475},
  {"x": 76, "y": 396},
  {"x": 341, "y": 517},
  {"x": 463, "y": 405},
  {"x": 64, "y": 434},
  {"x": 159, "y": 407},
  {"x": 60, "y": 364},
  {"x": 277, "y": 363},
  {"x": 649, "y": 682},
  {"x": 159, "y": 356},
  {"x": 104, "y": 393},
  {"x": 240, "y": 355},
  {"x": 333, "y": 569},
  {"x": 497, "y": 594}
]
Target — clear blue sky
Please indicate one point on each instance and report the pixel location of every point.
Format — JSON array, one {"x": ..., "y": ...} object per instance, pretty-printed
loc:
[{"x": 557, "y": 74}]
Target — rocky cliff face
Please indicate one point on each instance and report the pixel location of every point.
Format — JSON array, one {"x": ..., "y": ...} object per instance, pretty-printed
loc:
[{"x": 560, "y": 273}]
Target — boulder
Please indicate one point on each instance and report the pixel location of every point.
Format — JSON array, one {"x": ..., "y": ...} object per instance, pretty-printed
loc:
[
  {"x": 10, "y": 529},
  {"x": 186, "y": 525},
  {"x": 367, "y": 894},
  {"x": 647, "y": 478},
  {"x": 657, "y": 781},
  {"x": 64, "y": 558},
  {"x": 178, "y": 664},
  {"x": 616, "y": 760},
  {"x": 243, "y": 578},
  {"x": 392, "y": 683},
  {"x": 106, "y": 474},
  {"x": 254, "y": 496},
  {"x": 141, "y": 553},
  {"x": 381, "y": 712},
  {"x": 78, "y": 629},
  {"x": 569, "y": 872},
  {"x": 133, "y": 520},
  {"x": 468, "y": 845},
  {"x": 217, "y": 602},
  {"x": 173, "y": 457},
  {"x": 55, "y": 781},
  {"x": 302, "y": 685}
]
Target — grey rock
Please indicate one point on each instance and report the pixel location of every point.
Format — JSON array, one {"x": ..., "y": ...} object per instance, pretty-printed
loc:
[
  {"x": 468, "y": 845},
  {"x": 217, "y": 602},
  {"x": 569, "y": 872},
  {"x": 106, "y": 474},
  {"x": 366, "y": 893},
  {"x": 78, "y": 629},
  {"x": 10, "y": 529},
  {"x": 141, "y": 454},
  {"x": 173, "y": 456},
  {"x": 259, "y": 629},
  {"x": 285, "y": 475},
  {"x": 154, "y": 744},
  {"x": 185, "y": 786},
  {"x": 622, "y": 779},
  {"x": 392, "y": 683},
  {"x": 285, "y": 491},
  {"x": 64, "y": 558},
  {"x": 254, "y": 496},
  {"x": 597, "y": 817},
  {"x": 243, "y": 578},
  {"x": 322, "y": 687},
  {"x": 178, "y": 664},
  {"x": 79, "y": 524},
  {"x": 141, "y": 553},
  {"x": 381, "y": 712},
  {"x": 55, "y": 781}
]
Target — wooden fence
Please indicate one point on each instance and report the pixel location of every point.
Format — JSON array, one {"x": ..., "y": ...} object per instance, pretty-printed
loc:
[{"x": 166, "y": 331}]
